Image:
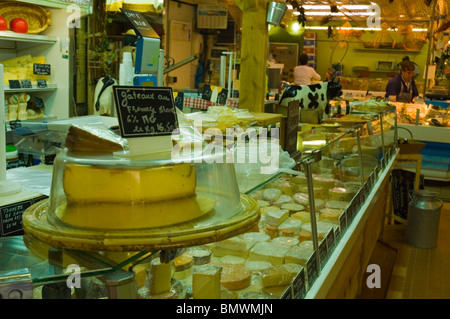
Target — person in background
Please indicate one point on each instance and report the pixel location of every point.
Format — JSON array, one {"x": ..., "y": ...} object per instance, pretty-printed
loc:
[
  {"x": 403, "y": 86},
  {"x": 304, "y": 74},
  {"x": 416, "y": 68}
]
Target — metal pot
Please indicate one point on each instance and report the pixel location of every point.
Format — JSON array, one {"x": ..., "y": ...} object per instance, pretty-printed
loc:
[{"x": 424, "y": 211}]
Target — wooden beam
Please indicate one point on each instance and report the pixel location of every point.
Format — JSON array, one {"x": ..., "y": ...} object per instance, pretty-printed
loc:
[{"x": 254, "y": 50}]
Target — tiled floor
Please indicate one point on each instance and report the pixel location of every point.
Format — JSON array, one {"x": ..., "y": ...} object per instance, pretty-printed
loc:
[{"x": 420, "y": 273}]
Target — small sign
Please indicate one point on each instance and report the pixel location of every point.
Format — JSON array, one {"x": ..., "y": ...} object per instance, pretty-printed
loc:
[
  {"x": 140, "y": 24},
  {"x": 287, "y": 294},
  {"x": 312, "y": 269},
  {"x": 292, "y": 126},
  {"x": 26, "y": 84},
  {"x": 145, "y": 111},
  {"x": 11, "y": 216},
  {"x": 41, "y": 69},
  {"x": 330, "y": 239},
  {"x": 343, "y": 221},
  {"x": 14, "y": 84},
  {"x": 299, "y": 285},
  {"x": 41, "y": 84},
  {"x": 323, "y": 253}
]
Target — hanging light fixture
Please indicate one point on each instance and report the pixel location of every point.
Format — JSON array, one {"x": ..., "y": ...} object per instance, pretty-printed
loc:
[{"x": 295, "y": 28}]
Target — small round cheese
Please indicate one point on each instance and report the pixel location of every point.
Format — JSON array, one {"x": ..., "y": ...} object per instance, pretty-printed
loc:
[{"x": 235, "y": 277}]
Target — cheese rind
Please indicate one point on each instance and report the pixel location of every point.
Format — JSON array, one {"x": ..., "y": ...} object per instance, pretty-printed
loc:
[{"x": 235, "y": 277}]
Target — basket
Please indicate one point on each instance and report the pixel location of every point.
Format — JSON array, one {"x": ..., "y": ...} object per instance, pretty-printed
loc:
[{"x": 38, "y": 18}]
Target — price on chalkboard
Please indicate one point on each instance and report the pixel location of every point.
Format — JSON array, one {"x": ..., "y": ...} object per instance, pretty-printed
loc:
[
  {"x": 41, "y": 69},
  {"x": 41, "y": 83},
  {"x": 312, "y": 269},
  {"x": 140, "y": 24},
  {"x": 323, "y": 253},
  {"x": 26, "y": 84},
  {"x": 145, "y": 111},
  {"x": 11, "y": 216},
  {"x": 299, "y": 285},
  {"x": 14, "y": 84}
]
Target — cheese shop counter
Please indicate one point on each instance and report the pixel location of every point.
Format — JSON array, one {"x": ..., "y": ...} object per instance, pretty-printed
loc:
[{"x": 305, "y": 233}]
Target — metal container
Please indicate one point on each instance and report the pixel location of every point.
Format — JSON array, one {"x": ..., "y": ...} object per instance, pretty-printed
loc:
[
  {"x": 424, "y": 211},
  {"x": 275, "y": 12}
]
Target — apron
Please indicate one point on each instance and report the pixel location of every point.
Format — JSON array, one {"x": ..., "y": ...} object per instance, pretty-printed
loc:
[{"x": 405, "y": 97}]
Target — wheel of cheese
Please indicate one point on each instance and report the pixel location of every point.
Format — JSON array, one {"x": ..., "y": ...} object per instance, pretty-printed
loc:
[
  {"x": 336, "y": 204},
  {"x": 235, "y": 277},
  {"x": 325, "y": 182},
  {"x": 341, "y": 193},
  {"x": 292, "y": 207},
  {"x": 270, "y": 194}
]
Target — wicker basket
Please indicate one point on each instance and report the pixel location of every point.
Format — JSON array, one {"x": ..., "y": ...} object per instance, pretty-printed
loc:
[{"x": 37, "y": 17}]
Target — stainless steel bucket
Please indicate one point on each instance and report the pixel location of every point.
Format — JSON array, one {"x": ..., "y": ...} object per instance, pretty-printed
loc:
[
  {"x": 275, "y": 12},
  {"x": 424, "y": 210}
]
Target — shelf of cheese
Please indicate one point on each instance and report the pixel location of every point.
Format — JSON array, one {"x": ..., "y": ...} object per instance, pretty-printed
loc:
[
  {"x": 263, "y": 262},
  {"x": 19, "y": 41}
]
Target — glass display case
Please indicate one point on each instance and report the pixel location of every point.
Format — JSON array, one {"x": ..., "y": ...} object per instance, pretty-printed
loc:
[{"x": 304, "y": 215}]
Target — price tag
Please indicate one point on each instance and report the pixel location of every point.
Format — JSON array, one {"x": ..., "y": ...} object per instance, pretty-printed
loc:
[
  {"x": 323, "y": 253},
  {"x": 330, "y": 239},
  {"x": 26, "y": 84},
  {"x": 299, "y": 285},
  {"x": 338, "y": 235},
  {"x": 140, "y": 24},
  {"x": 41, "y": 69},
  {"x": 312, "y": 269},
  {"x": 343, "y": 221},
  {"x": 292, "y": 126},
  {"x": 41, "y": 84},
  {"x": 11, "y": 216},
  {"x": 145, "y": 111},
  {"x": 287, "y": 294},
  {"x": 14, "y": 84}
]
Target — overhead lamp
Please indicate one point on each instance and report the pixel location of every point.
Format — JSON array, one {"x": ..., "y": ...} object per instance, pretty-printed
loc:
[{"x": 295, "y": 28}]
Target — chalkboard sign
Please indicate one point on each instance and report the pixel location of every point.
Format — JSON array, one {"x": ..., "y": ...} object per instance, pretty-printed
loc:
[
  {"x": 140, "y": 24},
  {"x": 402, "y": 184},
  {"x": 26, "y": 84},
  {"x": 11, "y": 216},
  {"x": 41, "y": 84},
  {"x": 312, "y": 269},
  {"x": 323, "y": 253},
  {"x": 145, "y": 111},
  {"x": 41, "y": 69},
  {"x": 299, "y": 285},
  {"x": 292, "y": 126},
  {"x": 14, "y": 84},
  {"x": 208, "y": 93}
]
